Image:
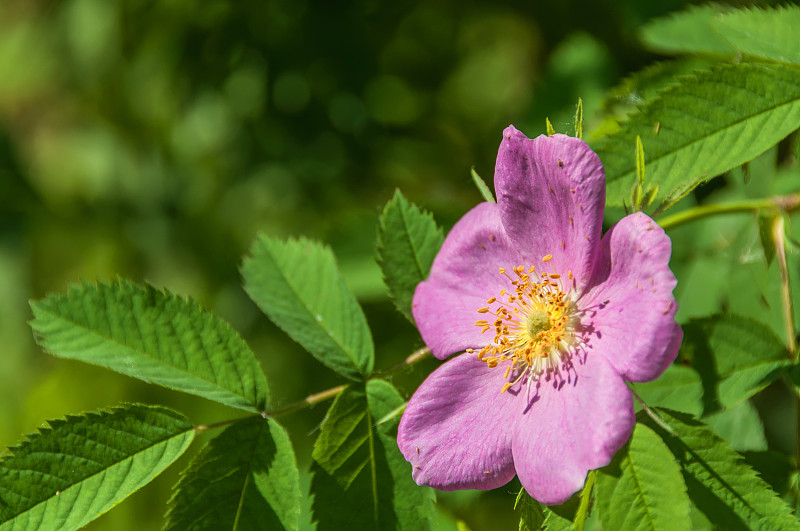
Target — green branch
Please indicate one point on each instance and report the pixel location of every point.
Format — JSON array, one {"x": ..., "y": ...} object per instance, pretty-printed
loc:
[{"x": 785, "y": 203}]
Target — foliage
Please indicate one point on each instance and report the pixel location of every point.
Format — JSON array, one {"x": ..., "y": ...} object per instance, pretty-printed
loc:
[{"x": 134, "y": 157}]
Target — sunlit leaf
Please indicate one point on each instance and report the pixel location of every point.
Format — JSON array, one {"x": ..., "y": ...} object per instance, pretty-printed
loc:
[
  {"x": 296, "y": 283},
  {"x": 152, "y": 335},
  {"x": 679, "y": 388},
  {"x": 740, "y": 426},
  {"x": 735, "y": 356},
  {"x": 480, "y": 184},
  {"x": 768, "y": 33},
  {"x": 703, "y": 126},
  {"x": 408, "y": 240},
  {"x": 76, "y": 469},
  {"x": 244, "y": 479},
  {"x": 361, "y": 480},
  {"x": 643, "y": 488},
  {"x": 720, "y": 484},
  {"x": 688, "y": 31}
]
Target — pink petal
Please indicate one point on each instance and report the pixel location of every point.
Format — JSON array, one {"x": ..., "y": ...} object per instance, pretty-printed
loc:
[
  {"x": 631, "y": 306},
  {"x": 456, "y": 430},
  {"x": 464, "y": 275},
  {"x": 571, "y": 430},
  {"x": 551, "y": 193}
]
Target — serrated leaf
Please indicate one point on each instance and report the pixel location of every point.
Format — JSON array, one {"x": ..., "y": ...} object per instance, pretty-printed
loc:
[
  {"x": 361, "y": 480},
  {"x": 679, "y": 388},
  {"x": 775, "y": 468},
  {"x": 296, "y": 283},
  {"x": 480, "y": 184},
  {"x": 152, "y": 335},
  {"x": 78, "y": 468},
  {"x": 688, "y": 31},
  {"x": 725, "y": 489},
  {"x": 244, "y": 479},
  {"x": 642, "y": 488},
  {"x": 408, "y": 240},
  {"x": 703, "y": 126},
  {"x": 736, "y": 357},
  {"x": 768, "y": 33}
]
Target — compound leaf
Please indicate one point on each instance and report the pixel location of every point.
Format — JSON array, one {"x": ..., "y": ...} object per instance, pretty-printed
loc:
[
  {"x": 408, "y": 240},
  {"x": 296, "y": 283},
  {"x": 152, "y": 335},
  {"x": 244, "y": 479},
  {"x": 76, "y": 469}
]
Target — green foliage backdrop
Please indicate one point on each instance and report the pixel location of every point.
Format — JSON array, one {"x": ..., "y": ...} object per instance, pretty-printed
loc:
[{"x": 154, "y": 141}]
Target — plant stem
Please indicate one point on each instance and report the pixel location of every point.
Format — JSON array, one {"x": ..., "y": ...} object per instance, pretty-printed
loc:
[
  {"x": 204, "y": 427},
  {"x": 316, "y": 398},
  {"x": 785, "y": 203}
]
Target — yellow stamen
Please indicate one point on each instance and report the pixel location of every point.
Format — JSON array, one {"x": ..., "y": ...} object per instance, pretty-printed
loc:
[{"x": 535, "y": 327}]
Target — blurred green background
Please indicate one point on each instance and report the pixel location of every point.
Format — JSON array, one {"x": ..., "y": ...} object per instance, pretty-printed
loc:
[{"x": 153, "y": 140}]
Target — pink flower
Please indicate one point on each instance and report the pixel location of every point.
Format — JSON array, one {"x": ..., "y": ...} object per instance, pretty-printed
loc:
[{"x": 551, "y": 320}]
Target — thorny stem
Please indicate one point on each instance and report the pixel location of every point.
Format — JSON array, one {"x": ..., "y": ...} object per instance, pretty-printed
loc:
[{"x": 785, "y": 203}]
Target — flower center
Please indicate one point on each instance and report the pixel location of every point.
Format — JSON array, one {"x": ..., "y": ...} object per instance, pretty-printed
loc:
[
  {"x": 534, "y": 326},
  {"x": 538, "y": 321}
]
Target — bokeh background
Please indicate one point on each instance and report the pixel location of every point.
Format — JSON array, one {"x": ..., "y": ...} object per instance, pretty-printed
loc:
[{"x": 154, "y": 139}]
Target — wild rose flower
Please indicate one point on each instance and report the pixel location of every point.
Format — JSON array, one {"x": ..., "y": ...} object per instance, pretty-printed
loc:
[{"x": 552, "y": 320}]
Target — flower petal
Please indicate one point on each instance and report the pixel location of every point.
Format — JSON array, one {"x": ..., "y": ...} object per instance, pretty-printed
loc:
[
  {"x": 631, "y": 304},
  {"x": 456, "y": 430},
  {"x": 464, "y": 275},
  {"x": 551, "y": 194},
  {"x": 572, "y": 429}
]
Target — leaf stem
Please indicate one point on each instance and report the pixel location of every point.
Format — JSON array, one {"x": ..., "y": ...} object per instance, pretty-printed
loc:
[
  {"x": 785, "y": 203},
  {"x": 650, "y": 413},
  {"x": 316, "y": 398}
]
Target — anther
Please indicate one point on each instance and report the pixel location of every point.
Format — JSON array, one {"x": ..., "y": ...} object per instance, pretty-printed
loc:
[
  {"x": 483, "y": 310},
  {"x": 547, "y": 258}
]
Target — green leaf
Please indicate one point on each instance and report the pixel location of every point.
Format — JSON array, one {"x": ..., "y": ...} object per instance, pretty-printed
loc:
[
  {"x": 735, "y": 356},
  {"x": 689, "y": 31},
  {"x": 408, "y": 240},
  {"x": 554, "y": 521},
  {"x": 703, "y": 126},
  {"x": 775, "y": 468},
  {"x": 766, "y": 220},
  {"x": 549, "y": 127},
  {"x": 725, "y": 489},
  {"x": 579, "y": 119},
  {"x": 768, "y": 33},
  {"x": 531, "y": 513},
  {"x": 679, "y": 388},
  {"x": 643, "y": 488},
  {"x": 361, "y": 480},
  {"x": 246, "y": 478},
  {"x": 481, "y": 185},
  {"x": 296, "y": 283},
  {"x": 152, "y": 335},
  {"x": 740, "y": 426},
  {"x": 76, "y": 469}
]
